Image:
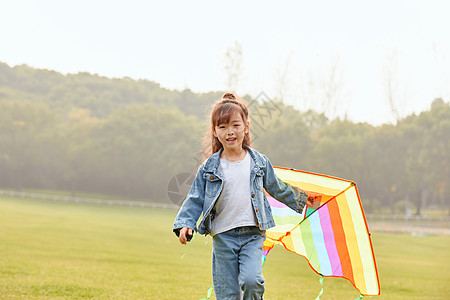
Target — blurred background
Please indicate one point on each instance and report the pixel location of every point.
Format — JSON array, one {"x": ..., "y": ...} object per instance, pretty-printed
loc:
[{"x": 110, "y": 100}]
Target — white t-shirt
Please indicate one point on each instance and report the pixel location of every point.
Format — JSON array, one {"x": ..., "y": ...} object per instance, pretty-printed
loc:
[{"x": 234, "y": 206}]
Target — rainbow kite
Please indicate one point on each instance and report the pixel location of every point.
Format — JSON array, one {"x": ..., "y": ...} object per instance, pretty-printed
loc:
[{"x": 333, "y": 236}]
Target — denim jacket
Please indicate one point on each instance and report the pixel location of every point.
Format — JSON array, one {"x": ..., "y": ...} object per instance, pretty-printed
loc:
[{"x": 208, "y": 184}]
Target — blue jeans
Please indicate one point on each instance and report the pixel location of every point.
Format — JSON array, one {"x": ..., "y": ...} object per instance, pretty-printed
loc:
[{"x": 237, "y": 264}]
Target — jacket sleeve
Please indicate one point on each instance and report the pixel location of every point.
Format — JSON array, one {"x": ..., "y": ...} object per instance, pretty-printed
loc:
[
  {"x": 192, "y": 206},
  {"x": 293, "y": 197}
]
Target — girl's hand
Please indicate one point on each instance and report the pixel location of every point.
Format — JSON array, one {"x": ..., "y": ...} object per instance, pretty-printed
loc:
[
  {"x": 183, "y": 232},
  {"x": 312, "y": 199}
]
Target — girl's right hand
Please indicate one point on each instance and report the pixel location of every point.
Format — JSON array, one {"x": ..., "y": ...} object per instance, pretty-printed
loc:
[{"x": 183, "y": 232}]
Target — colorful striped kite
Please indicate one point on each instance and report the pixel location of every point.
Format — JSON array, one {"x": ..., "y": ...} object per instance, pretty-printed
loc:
[{"x": 333, "y": 236}]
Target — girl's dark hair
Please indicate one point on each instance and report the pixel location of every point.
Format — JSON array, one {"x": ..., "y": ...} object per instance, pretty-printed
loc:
[{"x": 221, "y": 112}]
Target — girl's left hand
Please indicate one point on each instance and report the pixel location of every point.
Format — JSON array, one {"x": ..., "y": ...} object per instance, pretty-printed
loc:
[{"x": 312, "y": 199}]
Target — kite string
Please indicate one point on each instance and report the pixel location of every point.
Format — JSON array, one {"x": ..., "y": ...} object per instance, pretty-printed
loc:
[
  {"x": 210, "y": 290},
  {"x": 195, "y": 233}
]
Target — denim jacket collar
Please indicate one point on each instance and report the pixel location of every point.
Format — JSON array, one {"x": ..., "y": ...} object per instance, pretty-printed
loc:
[{"x": 213, "y": 162}]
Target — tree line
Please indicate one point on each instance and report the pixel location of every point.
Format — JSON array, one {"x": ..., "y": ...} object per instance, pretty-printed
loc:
[{"x": 130, "y": 138}]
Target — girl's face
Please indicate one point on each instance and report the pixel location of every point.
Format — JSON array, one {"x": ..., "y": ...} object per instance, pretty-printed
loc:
[{"x": 231, "y": 134}]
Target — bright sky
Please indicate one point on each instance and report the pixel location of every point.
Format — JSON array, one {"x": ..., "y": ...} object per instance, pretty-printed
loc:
[{"x": 182, "y": 44}]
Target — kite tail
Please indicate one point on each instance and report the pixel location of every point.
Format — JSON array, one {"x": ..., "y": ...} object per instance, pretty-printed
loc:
[
  {"x": 321, "y": 287},
  {"x": 209, "y": 293}
]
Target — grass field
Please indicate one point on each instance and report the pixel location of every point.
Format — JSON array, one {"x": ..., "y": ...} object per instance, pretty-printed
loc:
[{"x": 66, "y": 251}]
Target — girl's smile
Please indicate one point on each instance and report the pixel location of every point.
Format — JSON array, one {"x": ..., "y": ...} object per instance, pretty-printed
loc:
[{"x": 231, "y": 134}]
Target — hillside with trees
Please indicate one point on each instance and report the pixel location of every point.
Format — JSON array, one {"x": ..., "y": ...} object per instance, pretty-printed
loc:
[{"x": 129, "y": 138}]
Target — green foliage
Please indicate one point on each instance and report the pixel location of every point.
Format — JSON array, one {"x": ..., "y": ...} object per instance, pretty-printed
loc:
[
  {"x": 129, "y": 138},
  {"x": 26, "y": 130}
]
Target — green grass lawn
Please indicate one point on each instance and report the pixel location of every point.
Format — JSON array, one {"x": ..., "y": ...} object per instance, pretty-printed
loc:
[{"x": 64, "y": 251}]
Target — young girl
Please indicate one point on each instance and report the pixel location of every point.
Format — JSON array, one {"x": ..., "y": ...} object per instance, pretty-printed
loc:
[{"x": 229, "y": 190}]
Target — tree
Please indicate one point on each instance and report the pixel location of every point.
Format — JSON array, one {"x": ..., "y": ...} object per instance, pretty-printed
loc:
[
  {"x": 394, "y": 85},
  {"x": 426, "y": 155},
  {"x": 324, "y": 87},
  {"x": 385, "y": 164},
  {"x": 438, "y": 156},
  {"x": 26, "y": 131},
  {"x": 442, "y": 70},
  {"x": 233, "y": 65},
  {"x": 80, "y": 152},
  {"x": 283, "y": 80}
]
